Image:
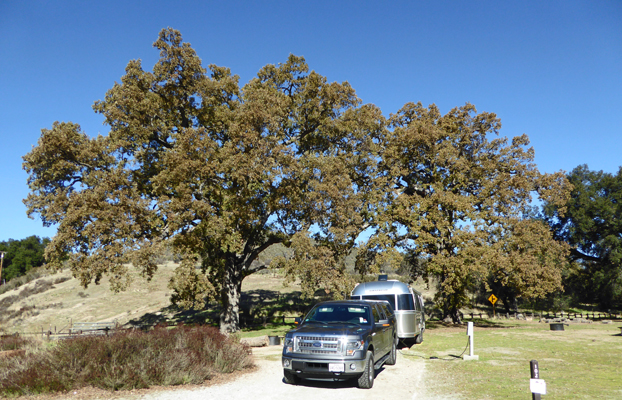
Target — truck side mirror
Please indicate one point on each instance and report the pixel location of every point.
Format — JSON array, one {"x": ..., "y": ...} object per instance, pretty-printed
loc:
[{"x": 297, "y": 321}]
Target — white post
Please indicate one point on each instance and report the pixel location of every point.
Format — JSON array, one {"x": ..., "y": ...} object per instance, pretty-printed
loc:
[
  {"x": 470, "y": 328},
  {"x": 470, "y": 334}
]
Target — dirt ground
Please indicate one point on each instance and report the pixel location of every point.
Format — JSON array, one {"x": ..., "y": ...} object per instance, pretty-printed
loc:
[{"x": 405, "y": 380}]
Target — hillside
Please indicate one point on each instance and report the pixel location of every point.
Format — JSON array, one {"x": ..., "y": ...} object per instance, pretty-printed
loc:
[{"x": 53, "y": 302}]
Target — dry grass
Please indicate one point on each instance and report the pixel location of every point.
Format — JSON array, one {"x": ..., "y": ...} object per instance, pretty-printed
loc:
[
  {"x": 126, "y": 360},
  {"x": 54, "y": 302},
  {"x": 29, "y": 309},
  {"x": 582, "y": 362}
]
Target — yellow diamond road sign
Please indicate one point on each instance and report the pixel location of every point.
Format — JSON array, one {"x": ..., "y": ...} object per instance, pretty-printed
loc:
[{"x": 492, "y": 299}]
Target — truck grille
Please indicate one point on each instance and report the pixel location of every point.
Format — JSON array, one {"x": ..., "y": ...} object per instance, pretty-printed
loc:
[{"x": 318, "y": 345}]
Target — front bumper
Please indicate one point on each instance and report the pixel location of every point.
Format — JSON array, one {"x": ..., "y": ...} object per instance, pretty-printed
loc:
[{"x": 324, "y": 368}]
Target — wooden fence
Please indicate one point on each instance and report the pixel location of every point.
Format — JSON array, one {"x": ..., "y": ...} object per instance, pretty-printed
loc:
[
  {"x": 107, "y": 328},
  {"x": 551, "y": 314},
  {"x": 279, "y": 319}
]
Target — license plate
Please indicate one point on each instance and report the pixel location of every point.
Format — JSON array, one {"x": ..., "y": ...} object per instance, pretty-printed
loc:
[{"x": 336, "y": 367}]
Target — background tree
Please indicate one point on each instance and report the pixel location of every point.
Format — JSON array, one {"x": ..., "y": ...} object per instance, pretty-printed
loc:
[
  {"x": 527, "y": 263},
  {"x": 450, "y": 189},
  {"x": 218, "y": 172},
  {"x": 592, "y": 225},
  {"x": 22, "y": 255}
]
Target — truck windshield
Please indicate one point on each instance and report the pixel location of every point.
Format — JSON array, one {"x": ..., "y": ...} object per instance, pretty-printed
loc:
[{"x": 339, "y": 314}]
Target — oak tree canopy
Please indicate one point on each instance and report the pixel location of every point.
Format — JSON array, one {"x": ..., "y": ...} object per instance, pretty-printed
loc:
[
  {"x": 219, "y": 172},
  {"x": 455, "y": 193}
]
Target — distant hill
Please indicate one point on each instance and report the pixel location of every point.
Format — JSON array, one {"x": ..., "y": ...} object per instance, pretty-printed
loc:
[{"x": 53, "y": 302}]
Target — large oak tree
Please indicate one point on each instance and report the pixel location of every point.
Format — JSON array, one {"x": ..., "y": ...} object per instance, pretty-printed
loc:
[
  {"x": 215, "y": 171},
  {"x": 219, "y": 173},
  {"x": 453, "y": 191}
]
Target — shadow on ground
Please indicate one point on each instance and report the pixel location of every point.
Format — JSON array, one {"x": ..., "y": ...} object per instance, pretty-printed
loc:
[
  {"x": 258, "y": 309},
  {"x": 479, "y": 323}
]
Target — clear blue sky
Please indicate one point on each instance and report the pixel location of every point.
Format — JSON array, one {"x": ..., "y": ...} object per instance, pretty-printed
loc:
[{"x": 550, "y": 69}]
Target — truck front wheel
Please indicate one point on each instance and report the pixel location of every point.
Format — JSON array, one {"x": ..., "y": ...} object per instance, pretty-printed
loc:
[
  {"x": 366, "y": 381},
  {"x": 290, "y": 378}
]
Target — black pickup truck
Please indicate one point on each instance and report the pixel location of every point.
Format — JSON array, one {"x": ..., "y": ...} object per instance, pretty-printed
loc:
[{"x": 341, "y": 340}]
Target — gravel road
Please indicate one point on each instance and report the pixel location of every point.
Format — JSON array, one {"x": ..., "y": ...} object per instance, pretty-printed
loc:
[{"x": 405, "y": 380}]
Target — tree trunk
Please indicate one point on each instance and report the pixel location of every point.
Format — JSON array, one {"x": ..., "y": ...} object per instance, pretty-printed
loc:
[
  {"x": 230, "y": 293},
  {"x": 454, "y": 313},
  {"x": 506, "y": 304}
]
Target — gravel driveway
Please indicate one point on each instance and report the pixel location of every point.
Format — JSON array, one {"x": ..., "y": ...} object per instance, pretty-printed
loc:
[{"x": 405, "y": 380}]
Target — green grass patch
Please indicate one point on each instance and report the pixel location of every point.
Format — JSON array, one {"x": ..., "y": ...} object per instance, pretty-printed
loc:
[{"x": 582, "y": 362}]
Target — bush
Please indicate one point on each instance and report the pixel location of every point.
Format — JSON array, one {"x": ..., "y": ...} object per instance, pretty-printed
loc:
[
  {"x": 126, "y": 360},
  {"x": 13, "y": 342}
]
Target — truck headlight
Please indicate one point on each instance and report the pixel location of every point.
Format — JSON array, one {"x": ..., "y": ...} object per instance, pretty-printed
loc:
[
  {"x": 289, "y": 345},
  {"x": 351, "y": 347}
]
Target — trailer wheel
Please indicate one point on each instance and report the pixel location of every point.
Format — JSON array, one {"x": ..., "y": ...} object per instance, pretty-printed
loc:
[{"x": 419, "y": 338}]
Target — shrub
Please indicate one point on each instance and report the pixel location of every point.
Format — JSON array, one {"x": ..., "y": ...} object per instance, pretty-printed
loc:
[
  {"x": 126, "y": 360},
  {"x": 13, "y": 342}
]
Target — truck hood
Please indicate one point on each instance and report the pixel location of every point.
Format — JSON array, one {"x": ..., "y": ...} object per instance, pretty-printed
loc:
[{"x": 314, "y": 329}]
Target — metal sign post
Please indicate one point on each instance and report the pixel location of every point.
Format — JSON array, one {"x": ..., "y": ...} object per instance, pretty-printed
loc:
[
  {"x": 536, "y": 385},
  {"x": 493, "y": 300}
]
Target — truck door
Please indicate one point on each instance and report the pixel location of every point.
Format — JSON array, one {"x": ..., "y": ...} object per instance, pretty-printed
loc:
[
  {"x": 387, "y": 329},
  {"x": 392, "y": 331},
  {"x": 378, "y": 333}
]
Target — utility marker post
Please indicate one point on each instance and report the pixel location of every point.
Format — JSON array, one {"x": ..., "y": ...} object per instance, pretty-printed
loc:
[
  {"x": 537, "y": 386},
  {"x": 1, "y": 262},
  {"x": 470, "y": 335}
]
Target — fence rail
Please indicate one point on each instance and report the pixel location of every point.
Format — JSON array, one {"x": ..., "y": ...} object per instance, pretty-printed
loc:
[
  {"x": 548, "y": 315},
  {"x": 107, "y": 328},
  {"x": 92, "y": 328}
]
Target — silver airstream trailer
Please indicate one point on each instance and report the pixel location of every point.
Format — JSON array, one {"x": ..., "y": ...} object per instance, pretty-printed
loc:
[{"x": 407, "y": 303}]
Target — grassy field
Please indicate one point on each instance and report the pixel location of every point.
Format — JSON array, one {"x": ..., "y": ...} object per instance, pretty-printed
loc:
[
  {"x": 582, "y": 362},
  {"x": 54, "y": 301}
]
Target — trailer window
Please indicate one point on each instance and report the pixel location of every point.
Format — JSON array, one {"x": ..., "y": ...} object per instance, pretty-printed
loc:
[
  {"x": 388, "y": 297},
  {"x": 405, "y": 302}
]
